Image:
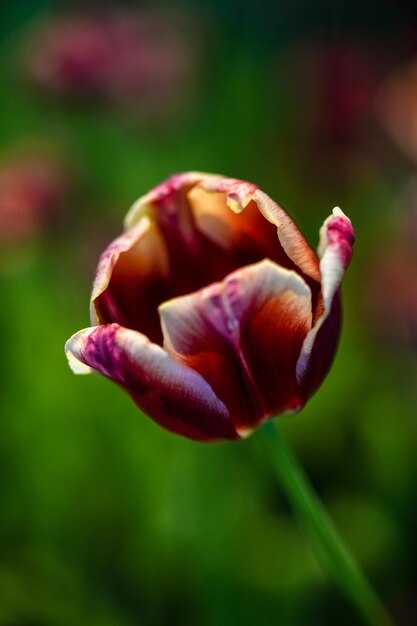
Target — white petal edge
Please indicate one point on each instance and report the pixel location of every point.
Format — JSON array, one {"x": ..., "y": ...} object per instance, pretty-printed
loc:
[{"x": 72, "y": 346}]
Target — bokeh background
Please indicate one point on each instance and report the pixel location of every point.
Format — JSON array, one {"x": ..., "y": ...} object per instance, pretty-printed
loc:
[{"x": 105, "y": 519}]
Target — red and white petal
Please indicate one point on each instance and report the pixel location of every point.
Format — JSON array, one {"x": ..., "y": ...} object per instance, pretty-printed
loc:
[
  {"x": 244, "y": 335},
  {"x": 172, "y": 394},
  {"x": 335, "y": 250},
  {"x": 131, "y": 280}
]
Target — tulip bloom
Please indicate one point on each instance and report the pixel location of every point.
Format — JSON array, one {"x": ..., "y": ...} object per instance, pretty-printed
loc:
[{"x": 212, "y": 310}]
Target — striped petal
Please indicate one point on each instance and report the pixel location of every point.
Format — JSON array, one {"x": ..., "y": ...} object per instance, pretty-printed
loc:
[
  {"x": 172, "y": 394},
  {"x": 335, "y": 252},
  {"x": 244, "y": 336}
]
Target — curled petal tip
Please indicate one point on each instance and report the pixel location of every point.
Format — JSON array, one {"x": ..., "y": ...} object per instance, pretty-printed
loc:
[
  {"x": 72, "y": 348},
  {"x": 244, "y": 433},
  {"x": 337, "y": 237},
  {"x": 238, "y": 192}
]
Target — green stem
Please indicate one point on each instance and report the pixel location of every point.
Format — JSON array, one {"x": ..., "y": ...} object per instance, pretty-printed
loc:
[{"x": 330, "y": 551}]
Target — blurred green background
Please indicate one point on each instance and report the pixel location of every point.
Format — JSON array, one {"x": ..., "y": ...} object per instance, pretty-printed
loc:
[{"x": 106, "y": 519}]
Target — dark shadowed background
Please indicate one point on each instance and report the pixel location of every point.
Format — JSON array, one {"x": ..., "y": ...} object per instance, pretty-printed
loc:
[{"x": 105, "y": 519}]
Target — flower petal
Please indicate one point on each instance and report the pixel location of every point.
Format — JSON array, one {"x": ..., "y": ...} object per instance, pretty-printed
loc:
[
  {"x": 217, "y": 206},
  {"x": 132, "y": 279},
  {"x": 244, "y": 336},
  {"x": 213, "y": 205},
  {"x": 175, "y": 396},
  {"x": 291, "y": 238},
  {"x": 335, "y": 251}
]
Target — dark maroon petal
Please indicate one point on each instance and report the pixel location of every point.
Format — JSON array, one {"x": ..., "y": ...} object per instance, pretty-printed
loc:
[
  {"x": 323, "y": 350},
  {"x": 244, "y": 336},
  {"x": 173, "y": 395},
  {"x": 335, "y": 251},
  {"x": 132, "y": 280}
]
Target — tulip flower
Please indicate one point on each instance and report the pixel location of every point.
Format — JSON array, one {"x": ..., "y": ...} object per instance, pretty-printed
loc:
[{"x": 212, "y": 310}]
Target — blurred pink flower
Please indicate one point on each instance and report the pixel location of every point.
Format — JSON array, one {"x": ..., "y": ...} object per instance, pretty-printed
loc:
[
  {"x": 336, "y": 83},
  {"x": 212, "y": 310},
  {"x": 70, "y": 56},
  {"x": 139, "y": 58},
  {"x": 33, "y": 189},
  {"x": 397, "y": 108},
  {"x": 347, "y": 84}
]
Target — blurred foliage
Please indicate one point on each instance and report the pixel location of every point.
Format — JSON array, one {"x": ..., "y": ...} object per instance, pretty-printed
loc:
[{"x": 106, "y": 519}]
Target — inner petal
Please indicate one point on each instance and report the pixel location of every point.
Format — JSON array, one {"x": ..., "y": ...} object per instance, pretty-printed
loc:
[
  {"x": 196, "y": 237},
  {"x": 194, "y": 259},
  {"x": 246, "y": 235},
  {"x": 244, "y": 336},
  {"x": 241, "y": 227},
  {"x": 209, "y": 234}
]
